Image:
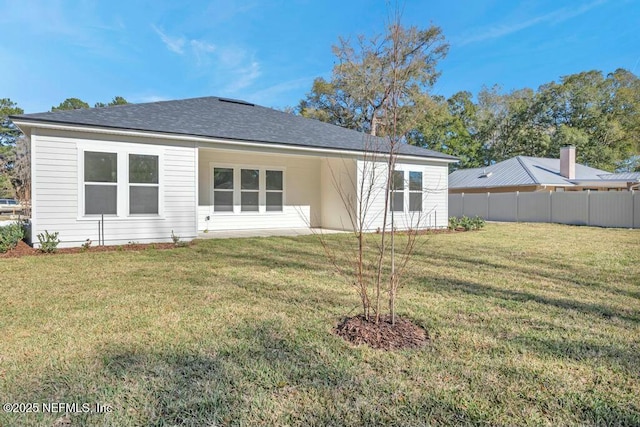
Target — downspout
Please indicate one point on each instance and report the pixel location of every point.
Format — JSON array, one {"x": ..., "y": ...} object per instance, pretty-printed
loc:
[
  {"x": 197, "y": 183},
  {"x": 32, "y": 147}
]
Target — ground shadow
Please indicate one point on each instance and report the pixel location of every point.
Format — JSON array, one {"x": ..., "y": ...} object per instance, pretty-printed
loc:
[
  {"x": 534, "y": 269},
  {"x": 446, "y": 284},
  {"x": 261, "y": 374}
]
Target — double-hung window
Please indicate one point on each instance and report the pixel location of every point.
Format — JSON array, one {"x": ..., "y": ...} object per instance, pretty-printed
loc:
[
  {"x": 249, "y": 190},
  {"x": 274, "y": 191},
  {"x": 100, "y": 183},
  {"x": 397, "y": 191},
  {"x": 144, "y": 186},
  {"x": 223, "y": 189},
  {"x": 415, "y": 191}
]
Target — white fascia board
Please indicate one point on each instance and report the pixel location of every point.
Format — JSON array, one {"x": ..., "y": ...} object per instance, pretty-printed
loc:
[
  {"x": 210, "y": 142},
  {"x": 610, "y": 183}
]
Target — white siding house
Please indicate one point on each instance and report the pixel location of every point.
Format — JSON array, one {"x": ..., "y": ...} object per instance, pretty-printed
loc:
[
  {"x": 140, "y": 172},
  {"x": 58, "y": 189}
]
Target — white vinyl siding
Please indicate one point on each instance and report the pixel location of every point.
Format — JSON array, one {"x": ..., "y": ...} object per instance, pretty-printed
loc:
[
  {"x": 434, "y": 195},
  {"x": 58, "y": 187}
]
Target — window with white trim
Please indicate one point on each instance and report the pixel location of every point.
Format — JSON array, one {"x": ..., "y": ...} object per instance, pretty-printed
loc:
[
  {"x": 397, "y": 191},
  {"x": 274, "y": 190},
  {"x": 121, "y": 182},
  {"x": 260, "y": 190},
  {"x": 144, "y": 184},
  {"x": 100, "y": 183},
  {"x": 223, "y": 190},
  {"x": 249, "y": 190},
  {"x": 415, "y": 191}
]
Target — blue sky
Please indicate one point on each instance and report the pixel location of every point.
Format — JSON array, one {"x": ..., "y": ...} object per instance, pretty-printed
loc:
[{"x": 268, "y": 51}]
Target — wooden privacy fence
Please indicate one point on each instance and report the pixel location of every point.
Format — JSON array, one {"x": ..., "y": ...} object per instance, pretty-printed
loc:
[{"x": 597, "y": 208}]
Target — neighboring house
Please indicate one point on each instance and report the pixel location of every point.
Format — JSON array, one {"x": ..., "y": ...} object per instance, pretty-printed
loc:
[
  {"x": 208, "y": 164},
  {"x": 530, "y": 174}
]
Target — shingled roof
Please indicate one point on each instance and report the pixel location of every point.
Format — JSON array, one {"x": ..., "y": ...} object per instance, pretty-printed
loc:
[{"x": 213, "y": 117}]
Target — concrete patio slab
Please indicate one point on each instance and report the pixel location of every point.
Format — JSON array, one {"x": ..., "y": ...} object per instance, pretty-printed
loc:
[{"x": 268, "y": 232}]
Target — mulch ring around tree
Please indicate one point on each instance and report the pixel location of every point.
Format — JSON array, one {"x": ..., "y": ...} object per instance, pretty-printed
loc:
[
  {"x": 22, "y": 249},
  {"x": 403, "y": 334}
]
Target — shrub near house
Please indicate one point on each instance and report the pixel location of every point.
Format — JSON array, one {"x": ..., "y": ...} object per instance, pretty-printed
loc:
[{"x": 10, "y": 235}]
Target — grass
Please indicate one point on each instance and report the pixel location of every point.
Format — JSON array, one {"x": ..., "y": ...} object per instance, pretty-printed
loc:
[{"x": 531, "y": 324}]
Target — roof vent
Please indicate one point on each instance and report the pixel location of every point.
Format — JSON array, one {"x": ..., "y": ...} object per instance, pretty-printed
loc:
[
  {"x": 485, "y": 174},
  {"x": 236, "y": 101}
]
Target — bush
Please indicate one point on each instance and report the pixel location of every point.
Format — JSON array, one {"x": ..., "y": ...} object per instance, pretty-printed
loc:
[
  {"x": 86, "y": 245},
  {"x": 48, "y": 241},
  {"x": 176, "y": 241},
  {"x": 10, "y": 235},
  {"x": 475, "y": 223}
]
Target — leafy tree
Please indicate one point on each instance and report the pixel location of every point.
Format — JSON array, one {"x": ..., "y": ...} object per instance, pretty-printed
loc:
[
  {"x": 8, "y": 131},
  {"x": 366, "y": 72},
  {"x": 9, "y": 134},
  {"x": 451, "y": 126},
  {"x": 605, "y": 110},
  {"x": 599, "y": 115},
  {"x": 523, "y": 130},
  {"x": 71, "y": 104},
  {"x": 118, "y": 100},
  {"x": 327, "y": 103},
  {"x": 21, "y": 172}
]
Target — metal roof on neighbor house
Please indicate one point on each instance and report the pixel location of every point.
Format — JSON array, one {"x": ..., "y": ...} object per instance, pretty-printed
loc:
[
  {"x": 622, "y": 176},
  {"x": 228, "y": 119},
  {"x": 520, "y": 171}
]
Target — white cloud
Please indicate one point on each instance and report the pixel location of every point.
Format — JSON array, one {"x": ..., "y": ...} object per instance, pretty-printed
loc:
[
  {"x": 202, "y": 46},
  {"x": 174, "y": 44},
  {"x": 201, "y": 51},
  {"x": 245, "y": 77},
  {"x": 231, "y": 66},
  {"x": 267, "y": 95},
  {"x": 554, "y": 17}
]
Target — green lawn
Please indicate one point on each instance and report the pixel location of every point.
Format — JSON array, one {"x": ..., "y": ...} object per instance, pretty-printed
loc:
[{"x": 531, "y": 324}]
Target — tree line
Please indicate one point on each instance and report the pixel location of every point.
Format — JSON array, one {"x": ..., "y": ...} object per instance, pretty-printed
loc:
[{"x": 598, "y": 114}]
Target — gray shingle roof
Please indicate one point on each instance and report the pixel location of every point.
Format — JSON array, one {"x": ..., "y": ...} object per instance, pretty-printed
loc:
[
  {"x": 222, "y": 118},
  {"x": 522, "y": 170}
]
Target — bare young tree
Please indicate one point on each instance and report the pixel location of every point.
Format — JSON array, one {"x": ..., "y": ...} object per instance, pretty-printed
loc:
[{"x": 387, "y": 78}]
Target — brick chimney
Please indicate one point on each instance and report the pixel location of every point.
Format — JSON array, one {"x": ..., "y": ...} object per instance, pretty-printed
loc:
[{"x": 568, "y": 162}]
